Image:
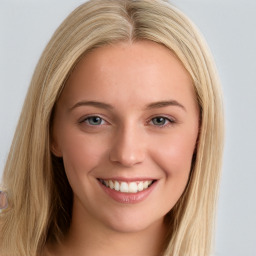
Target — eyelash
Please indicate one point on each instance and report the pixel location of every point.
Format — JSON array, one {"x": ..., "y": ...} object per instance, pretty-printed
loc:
[
  {"x": 88, "y": 118},
  {"x": 167, "y": 121}
]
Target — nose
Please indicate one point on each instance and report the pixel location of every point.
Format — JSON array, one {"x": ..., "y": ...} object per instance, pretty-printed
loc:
[{"x": 128, "y": 148}]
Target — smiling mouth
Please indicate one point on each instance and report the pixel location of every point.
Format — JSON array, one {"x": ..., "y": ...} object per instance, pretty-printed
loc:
[{"x": 127, "y": 187}]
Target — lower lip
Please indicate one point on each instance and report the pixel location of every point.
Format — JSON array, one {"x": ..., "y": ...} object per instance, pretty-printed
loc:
[{"x": 128, "y": 198}]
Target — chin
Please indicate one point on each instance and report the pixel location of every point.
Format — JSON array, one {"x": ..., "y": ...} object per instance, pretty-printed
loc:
[{"x": 132, "y": 223}]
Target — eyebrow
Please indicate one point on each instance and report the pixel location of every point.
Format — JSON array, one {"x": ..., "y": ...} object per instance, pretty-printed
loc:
[
  {"x": 154, "y": 105},
  {"x": 93, "y": 104},
  {"x": 162, "y": 104}
]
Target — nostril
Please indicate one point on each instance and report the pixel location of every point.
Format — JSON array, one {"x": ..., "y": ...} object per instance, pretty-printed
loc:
[{"x": 127, "y": 159}]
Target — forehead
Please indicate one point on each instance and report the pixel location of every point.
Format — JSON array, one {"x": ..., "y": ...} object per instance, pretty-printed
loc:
[
  {"x": 151, "y": 54},
  {"x": 129, "y": 69}
]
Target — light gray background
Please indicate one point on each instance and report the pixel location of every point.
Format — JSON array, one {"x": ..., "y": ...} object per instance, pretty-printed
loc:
[{"x": 229, "y": 26}]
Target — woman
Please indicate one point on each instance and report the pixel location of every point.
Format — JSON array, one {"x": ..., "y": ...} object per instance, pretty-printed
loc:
[{"x": 119, "y": 144}]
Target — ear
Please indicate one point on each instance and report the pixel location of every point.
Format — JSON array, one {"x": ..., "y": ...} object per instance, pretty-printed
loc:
[{"x": 55, "y": 149}]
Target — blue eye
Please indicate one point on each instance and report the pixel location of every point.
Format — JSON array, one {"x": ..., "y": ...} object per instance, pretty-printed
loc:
[
  {"x": 161, "y": 121},
  {"x": 94, "y": 120}
]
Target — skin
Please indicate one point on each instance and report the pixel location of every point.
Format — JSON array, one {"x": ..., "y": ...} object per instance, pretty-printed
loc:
[{"x": 129, "y": 141}]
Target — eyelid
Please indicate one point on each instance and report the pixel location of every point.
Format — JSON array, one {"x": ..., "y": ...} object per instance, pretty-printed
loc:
[
  {"x": 171, "y": 120},
  {"x": 86, "y": 117}
]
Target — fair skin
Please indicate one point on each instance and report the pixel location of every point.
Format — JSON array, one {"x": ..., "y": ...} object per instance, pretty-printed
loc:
[{"x": 128, "y": 114}]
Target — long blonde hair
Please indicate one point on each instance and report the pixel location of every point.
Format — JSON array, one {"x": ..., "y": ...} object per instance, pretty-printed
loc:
[{"x": 40, "y": 198}]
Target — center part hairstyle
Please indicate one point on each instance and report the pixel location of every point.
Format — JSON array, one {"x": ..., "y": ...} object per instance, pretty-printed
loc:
[{"x": 40, "y": 197}]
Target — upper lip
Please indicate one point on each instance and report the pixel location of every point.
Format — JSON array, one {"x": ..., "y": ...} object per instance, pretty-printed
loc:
[{"x": 128, "y": 179}]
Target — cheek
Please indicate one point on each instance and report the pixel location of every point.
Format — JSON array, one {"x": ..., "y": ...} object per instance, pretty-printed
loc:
[
  {"x": 81, "y": 154},
  {"x": 174, "y": 154},
  {"x": 173, "y": 158}
]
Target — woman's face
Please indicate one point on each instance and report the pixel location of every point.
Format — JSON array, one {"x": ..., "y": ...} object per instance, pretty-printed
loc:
[{"x": 126, "y": 126}]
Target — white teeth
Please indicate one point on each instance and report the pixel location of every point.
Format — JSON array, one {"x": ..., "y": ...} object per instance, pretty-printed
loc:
[
  {"x": 116, "y": 186},
  {"x": 111, "y": 184},
  {"x": 140, "y": 186},
  {"x": 145, "y": 184},
  {"x": 127, "y": 187},
  {"x": 133, "y": 188},
  {"x": 124, "y": 187}
]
